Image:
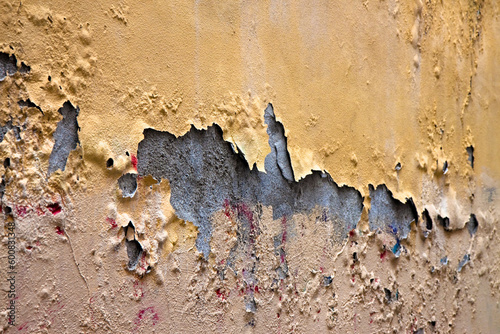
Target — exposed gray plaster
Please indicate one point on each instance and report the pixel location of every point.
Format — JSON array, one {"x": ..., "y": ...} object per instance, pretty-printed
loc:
[
  {"x": 8, "y": 66},
  {"x": 65, "y": 137},
  {"x": 390, "y": 215},
  {"x": 6, "y": 128},
  {"x": 128, "y": 184},
  {"x": 204, "y": 172}
]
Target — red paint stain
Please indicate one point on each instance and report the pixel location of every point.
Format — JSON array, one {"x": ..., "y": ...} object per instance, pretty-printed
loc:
[
  {"x": 54, "y": 208},
  {"x": 20, "y": 328},
  {"x": 59, "y": 230},
  {"x": 112, "y": 222},
  {"x": 224, "y": 295},
  {"x": 227, "y": 209},
  {"x": 143, "y": 263},
  {"x": 371, "y": 315},
  {"x": 133, "y": 160},
  {"x": 21, "y": 211},
  {"x": 138, "y": 291},
  {"x": 383, "y": 254},
  {"x": 143, "y": 313},
  {"x": 352, "y": 233}
]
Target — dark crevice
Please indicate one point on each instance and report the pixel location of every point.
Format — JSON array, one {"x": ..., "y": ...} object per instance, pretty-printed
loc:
[
  {"x": 28, "y": 104},
  {"x": 8, "y": 65},
  {"x": 470, "y": 152},
  {"x": 6, "y": 128},
  {"x": 445, "y": 167},
  {"x": 204, "y": 172},
  {"x": 472, "y": 224},
  {"x": 427, "y": 219},
  {"x": 25, "y": 69},
  {"x": 65, "y": 137},
  {"x": 390, "y": 215},
  {"x": 444, "y": 222},
  {"x": 134, "y": 248},
  {"x": 109, "y": 163}
]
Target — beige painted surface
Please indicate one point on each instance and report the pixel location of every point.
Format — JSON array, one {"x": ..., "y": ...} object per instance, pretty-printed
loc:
[{"x": 359, "y": 87}]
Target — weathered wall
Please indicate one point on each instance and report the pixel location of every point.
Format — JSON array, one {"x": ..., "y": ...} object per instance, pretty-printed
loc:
[{"x": 224, "y": 166}]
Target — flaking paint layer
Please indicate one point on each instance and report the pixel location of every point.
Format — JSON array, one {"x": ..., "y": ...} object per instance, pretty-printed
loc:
[{"x": 394, "y": 101}]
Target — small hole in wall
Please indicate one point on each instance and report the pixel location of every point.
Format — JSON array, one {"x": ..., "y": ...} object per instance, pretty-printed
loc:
[
  {"x": 444, "y": 221},
  {"x": 470, "y": 152},
  {"x": 50, "y": 78},
  {"x": 127, "y": 154},
  {"x": 109, "y": 163},
  {"x": 445, "y": 167},
  {"x": 472, "y": 224},
  {"x": 6, "y": 162},
  {"x": 398, "y": 166},
  {"x": 388, "y": 295},
  {"x": 7, "y": 210},
  {"x": 427, "y": 219}
]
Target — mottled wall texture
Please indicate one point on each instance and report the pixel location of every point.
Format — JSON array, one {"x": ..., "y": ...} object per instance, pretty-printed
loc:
[{"x": 274, "y": 166}]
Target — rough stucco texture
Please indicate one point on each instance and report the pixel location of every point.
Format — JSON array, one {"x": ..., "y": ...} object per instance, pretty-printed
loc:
[{"x": 260, "y": 167}]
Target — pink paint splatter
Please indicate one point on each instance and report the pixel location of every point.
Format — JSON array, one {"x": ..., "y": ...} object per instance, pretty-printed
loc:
[
  {"x": 112, "y": 222},
  {"x": 138, "y": 291},
  {"x": 222, "y": 294},
  {"x": 143, "y": 313},
  {"x": 383, "y": 255},
  {"x": 227, "y": 209},
  {"x": 352, "y": 233},
  {"x": 59, "y": 230},
  {"x": 55, "y": 208},
  {"x": 133, "y": 160},
  {"x": 23, "y": 326},
  {"x": 21, "y": 211}
]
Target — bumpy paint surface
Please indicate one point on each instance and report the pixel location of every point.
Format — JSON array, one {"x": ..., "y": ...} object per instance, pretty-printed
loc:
[{"x": 267, "y": 167}]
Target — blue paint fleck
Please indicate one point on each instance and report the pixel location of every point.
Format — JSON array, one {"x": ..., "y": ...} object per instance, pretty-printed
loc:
[
  {"x": 397, "y": 248},
  {"x": 463, "y": 262}
]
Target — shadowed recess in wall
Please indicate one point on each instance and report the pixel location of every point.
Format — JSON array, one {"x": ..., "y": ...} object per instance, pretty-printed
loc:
[
  {"x": 128, "y": 184},
  {"x": 65, "y": 137},
  {"x": 6, "y": 128},
  {"x": 8, "y": 66},
  {"x": 390, "y": 215},
  {"x": 205, "y": 172}
]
